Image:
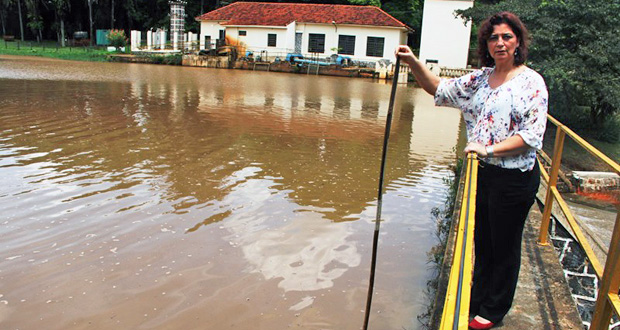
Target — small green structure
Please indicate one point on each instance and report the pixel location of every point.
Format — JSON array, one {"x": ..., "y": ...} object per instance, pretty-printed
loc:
[{"x": 102, "y": 38}]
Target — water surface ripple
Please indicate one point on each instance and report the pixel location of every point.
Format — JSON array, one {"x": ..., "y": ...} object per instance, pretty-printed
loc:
[{"x": 141, "y": 196}]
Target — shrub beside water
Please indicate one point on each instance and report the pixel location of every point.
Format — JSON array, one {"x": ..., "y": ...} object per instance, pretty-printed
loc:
[
  {"x": 176, "y": 59},
  {"x": 443, "y": 219},
  {"x": 117, "y": 39}
]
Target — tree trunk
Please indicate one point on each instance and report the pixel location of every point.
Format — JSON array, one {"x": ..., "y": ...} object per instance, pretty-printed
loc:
[
  {"x": 21, "y": 21},
  {"x": 3, "y": 24},
  {"x": 126, "y": 7},
  {"x": 112, "y": 14},
  {"x": 62, "y": 32},
  {"x": 90, "y": 20},
  {"x": 58, "y": 28}
]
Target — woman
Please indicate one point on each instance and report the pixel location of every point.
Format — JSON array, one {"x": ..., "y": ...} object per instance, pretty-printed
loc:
[{"x": 504, "y": 106}]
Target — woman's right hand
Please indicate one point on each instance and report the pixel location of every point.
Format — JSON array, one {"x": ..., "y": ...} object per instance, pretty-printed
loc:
[
  {"x": 425, "y": 78},
  {"x": 405, "y": 54}
]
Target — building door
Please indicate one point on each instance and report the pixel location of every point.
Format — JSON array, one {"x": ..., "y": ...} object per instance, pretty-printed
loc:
[
  {"x": 222, "y": 40},
  {"x": 298, "y": 42}
]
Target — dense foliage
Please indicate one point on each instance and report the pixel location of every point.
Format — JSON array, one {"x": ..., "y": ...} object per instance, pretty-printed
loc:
[
  {"x": 575, "y": 47},
  {"x": 59, "y": 19}
]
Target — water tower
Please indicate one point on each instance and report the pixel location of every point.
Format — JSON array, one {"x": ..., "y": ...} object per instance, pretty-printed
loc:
[{"x": 177, "y": 17}]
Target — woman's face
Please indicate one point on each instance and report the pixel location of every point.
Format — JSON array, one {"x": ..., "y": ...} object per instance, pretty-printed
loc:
[{"x": 502, "y": 44}]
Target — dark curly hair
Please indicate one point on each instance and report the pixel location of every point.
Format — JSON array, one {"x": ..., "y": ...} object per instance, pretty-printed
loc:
[{"x": 486, "y": 29}]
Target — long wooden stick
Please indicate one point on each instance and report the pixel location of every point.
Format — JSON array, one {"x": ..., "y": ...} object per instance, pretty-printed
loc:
[{"x": 375, "y": 240}]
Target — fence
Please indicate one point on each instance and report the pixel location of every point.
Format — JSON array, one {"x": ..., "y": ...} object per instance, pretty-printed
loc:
[
  {"x": 607, "y": 301},
  {"x": 157, "y": 41},
  {"x": 456, "y": 304}
]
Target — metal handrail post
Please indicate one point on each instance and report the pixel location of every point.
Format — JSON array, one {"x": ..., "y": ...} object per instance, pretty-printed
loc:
[
  {"x": 587, "y": 146},
  {"x": 553, "y": 180},
  {"x": 456, "y": 304},
  {"x": 610, "y": 283}
]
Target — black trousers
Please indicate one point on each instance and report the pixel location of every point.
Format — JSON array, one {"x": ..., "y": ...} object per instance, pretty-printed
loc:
[{"x": 503, "y": 201}]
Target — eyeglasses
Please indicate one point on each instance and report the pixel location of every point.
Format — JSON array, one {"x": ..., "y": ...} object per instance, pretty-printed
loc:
[{"x": 504, "y": 36}]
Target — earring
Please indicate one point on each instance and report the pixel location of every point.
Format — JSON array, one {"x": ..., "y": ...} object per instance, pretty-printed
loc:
[{"x": 516, "y": 52}]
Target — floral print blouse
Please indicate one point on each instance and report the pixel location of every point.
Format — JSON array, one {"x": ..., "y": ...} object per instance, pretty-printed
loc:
[{"x": 519, "y": 106}]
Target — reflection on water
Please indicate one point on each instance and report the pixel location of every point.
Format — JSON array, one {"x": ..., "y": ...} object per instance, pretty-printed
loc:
[{"x": 139, "y": 196}]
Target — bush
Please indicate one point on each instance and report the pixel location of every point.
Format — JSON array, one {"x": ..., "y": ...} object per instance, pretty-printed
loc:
[
  {"x": 575, "y": 48},
  {"x": 609, "y": 130},
  {"x": 175, "y": 59},
  {"x": 117, "y": 39}
]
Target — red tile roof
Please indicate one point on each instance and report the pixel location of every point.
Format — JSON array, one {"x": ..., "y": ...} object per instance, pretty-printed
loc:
[{"x": 282, "y": 14}]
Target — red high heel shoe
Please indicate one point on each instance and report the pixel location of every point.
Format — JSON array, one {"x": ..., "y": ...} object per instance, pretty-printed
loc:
[{"x": 476, "y": 325}]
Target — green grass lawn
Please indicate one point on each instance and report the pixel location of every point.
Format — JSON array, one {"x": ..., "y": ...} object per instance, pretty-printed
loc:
[{"x": 51, "y": 49}]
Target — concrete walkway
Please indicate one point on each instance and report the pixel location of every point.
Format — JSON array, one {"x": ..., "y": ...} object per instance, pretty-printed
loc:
[{"x": 543, "y": 300}]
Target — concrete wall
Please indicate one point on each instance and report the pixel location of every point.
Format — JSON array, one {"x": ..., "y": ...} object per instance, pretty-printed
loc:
[
  {"x": 211, "y": 29},
  {"x": 256, "y": 38},
  {"x": 445, "y": 38},
  {"x": 393, "y": 37},
  {"x": 290, "y": 36},
  {"x": 596, "y": 181}
]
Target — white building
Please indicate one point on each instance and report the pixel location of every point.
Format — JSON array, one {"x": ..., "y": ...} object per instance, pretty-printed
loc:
[
  {"x": 445, "y": 38},
  {"x": 276, "y": 29}
]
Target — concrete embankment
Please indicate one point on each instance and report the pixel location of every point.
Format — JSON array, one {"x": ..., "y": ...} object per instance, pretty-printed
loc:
[
  {"x": 224, "y": 62},
  {"x": 279, "y": 66}
]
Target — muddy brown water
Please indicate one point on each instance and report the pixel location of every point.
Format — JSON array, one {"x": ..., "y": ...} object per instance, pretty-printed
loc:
[{"x": 138, "y": 196}]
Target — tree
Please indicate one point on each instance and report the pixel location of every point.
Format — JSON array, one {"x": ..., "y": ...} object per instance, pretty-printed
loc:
[
  {"x": 132, "y": 12},
  {"x": 408, "y": 12},
  {"x": 575, "y": 47},
  {"x": 376, "y": 3},
  {"x": 21, "y": 20},
  {"x": 90, "y": 20},
  {"x": 61, "y": 7},
  {"x": 35, "y": 20},
  {"x": 4, "y": 7}
]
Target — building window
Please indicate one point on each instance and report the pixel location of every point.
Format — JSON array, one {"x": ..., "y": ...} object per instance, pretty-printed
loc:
[
  {"x": 271, "y": 40},
  {"x": 316, "y": 43},
  {"x": 346, "y": 44},
  {"x": 243, "y": 33},
  {"x": 374, "y": 46}
]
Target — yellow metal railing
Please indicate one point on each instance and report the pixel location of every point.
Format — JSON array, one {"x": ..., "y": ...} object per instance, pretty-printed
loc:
[
  {"x": 607, "y": 301},
  {"x": 456, "y": 306}
]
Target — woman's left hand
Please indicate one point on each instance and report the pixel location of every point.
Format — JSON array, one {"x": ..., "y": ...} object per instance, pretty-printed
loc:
[{"x": 477, "y": 148}]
